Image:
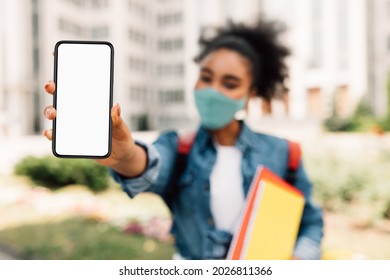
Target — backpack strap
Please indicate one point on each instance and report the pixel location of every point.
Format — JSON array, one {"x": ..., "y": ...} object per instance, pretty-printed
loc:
[
  {"x": 185, "y": 143},
  {"x": 294, "y": 158}
]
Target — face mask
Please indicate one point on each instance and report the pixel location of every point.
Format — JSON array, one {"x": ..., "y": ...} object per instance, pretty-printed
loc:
[{"x": 215, "y": 109}]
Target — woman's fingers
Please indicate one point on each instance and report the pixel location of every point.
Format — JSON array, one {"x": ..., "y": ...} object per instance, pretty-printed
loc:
[
  {"x": 116, "y": 115},
  {"x": 50, "y": 87},
  {"x": 48, "y": 133},
  {"x": 50, "y": 112}
]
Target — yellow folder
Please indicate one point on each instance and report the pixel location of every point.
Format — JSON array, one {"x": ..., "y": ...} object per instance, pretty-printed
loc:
[{"x": 270, "y": 221}]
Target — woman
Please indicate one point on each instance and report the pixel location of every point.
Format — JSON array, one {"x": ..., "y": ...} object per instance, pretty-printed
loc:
[{"x": 206, "y": 189}]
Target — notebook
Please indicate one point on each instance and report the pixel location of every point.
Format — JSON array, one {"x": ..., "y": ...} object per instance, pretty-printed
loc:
[{"x": 270, "y": 220}]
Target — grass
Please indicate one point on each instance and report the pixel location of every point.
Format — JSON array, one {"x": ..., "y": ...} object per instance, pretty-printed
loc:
[
  {"x": 80, "y": 239},
  {"x": 353, "y": 192}
]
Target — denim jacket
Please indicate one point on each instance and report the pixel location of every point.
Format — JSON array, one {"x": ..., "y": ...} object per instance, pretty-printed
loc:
[{"x": 188, "y": 196}]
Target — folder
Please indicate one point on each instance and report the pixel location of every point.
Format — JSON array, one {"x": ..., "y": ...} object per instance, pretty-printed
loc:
[{"x": 270, "y": 220}]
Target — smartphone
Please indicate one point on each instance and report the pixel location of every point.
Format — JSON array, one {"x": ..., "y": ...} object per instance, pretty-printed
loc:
[{"x": 83, "y": 74}]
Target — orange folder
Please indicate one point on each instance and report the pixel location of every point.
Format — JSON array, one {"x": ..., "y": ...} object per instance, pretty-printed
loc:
[{"x": 270, "y": 220}]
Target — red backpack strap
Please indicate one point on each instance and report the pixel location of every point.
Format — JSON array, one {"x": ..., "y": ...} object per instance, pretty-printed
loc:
[
  {"x": 294, "y": 158},
  {"x": 185, "y": 143},
  {"x": 294, "y": 155}
]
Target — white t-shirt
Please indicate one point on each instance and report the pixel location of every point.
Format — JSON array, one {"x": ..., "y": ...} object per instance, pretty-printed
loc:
[{"x": 226, "y": 188}]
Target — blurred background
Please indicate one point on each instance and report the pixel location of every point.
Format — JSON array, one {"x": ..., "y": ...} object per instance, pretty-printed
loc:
[{"x": 337, "y": 107}]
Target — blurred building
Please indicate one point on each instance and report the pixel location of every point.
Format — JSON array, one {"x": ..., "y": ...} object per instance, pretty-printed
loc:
[
  {"x": 149, "y": 65},
  {"x": 340, "y": 52},
  {"x": 328, "y": 66},
  {"x": 378, "y": 43},
  {"x": 17, "y": 115}
]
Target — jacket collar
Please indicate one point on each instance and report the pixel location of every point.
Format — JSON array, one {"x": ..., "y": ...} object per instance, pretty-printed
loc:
[{"x": 245, "y": 140}]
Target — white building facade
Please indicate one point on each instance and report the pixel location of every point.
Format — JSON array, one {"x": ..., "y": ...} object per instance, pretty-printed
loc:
[
  {"x": 378, "y": 41},
  {"x": 334, "y": 60}
]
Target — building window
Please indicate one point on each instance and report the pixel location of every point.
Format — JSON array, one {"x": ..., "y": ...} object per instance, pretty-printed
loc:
[
  {"x": 35, "y": 24},
  {"x": 36, "y": 59},
  {"x": 178, "y": 44},
  {"x": 138, "y": 65},
  {"x": 137, "y": 8},
  {"x": 314, "y": 102},
  {"x": 342, "y": 104},
  {"x": 388, "y": 8},
  {"x": 138, "y": 93},
  {"x": 94, "y": 4},
  {"x": 177, "y": 18},
  {"x": 170, "y": 44},
  {"x": 388, "y": 43},
  {"x": 98, "y": 4},
  {"x": 78, "y": 3},
  {"x": 179, "y": 70},
  {"x": 174, "y": 70},
  {"x": 169, "y": 19},
  {"x": 72, "y": 28},
  {"x": 140, "y": 122},
  {"x": 137, "y": 37},
  {"x": 171, "y": 96},
  {"x": 100, "y": 32}
]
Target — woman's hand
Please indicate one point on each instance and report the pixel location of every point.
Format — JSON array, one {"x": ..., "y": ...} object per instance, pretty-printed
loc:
[{"x": 126, "y": 157}]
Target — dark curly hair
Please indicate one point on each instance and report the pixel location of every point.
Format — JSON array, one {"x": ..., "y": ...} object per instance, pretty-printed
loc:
[{"x": 259, "y": 44}]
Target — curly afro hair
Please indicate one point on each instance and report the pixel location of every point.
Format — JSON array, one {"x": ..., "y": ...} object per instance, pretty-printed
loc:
[{"x": 259, "y": 44}]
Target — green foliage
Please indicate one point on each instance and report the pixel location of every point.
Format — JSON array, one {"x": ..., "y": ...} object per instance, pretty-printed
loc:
[
  {"x": 352, "y": 186},
  {"x": 78, "y": 239},
  {"x": 335, "y": 123},
  {"x": 362, "y": 120},
  {"x": 386, "y": 210},
  {"x": 337, "y": 182},
  {"x": 385, "y": 123},
  {"x": 53, "y": 172},
  {"x": 340, "y": 182}
]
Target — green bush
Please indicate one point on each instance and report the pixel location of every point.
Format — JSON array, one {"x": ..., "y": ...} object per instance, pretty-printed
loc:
[
  {"x": 55, "y": 173},
  {"x": 335, "y": 123},
  {"x": 337, "y": 182},
  {"x": 386, "y": 210},
  {"x": 352, "y": 185},
  {"x": 363, "y": 119},
  {"x": 385, "y": 123}
]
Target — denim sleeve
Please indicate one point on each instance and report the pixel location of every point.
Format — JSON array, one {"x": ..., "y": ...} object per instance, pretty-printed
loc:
[
  {"x": 161, "y": 157},
  {"x": 308, "y": 245}
]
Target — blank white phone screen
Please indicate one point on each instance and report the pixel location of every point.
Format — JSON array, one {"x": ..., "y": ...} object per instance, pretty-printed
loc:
[{"x": 83, "y": 84}]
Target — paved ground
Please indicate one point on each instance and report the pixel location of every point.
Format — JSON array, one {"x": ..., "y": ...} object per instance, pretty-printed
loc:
[{"x": 5, "y": 255}]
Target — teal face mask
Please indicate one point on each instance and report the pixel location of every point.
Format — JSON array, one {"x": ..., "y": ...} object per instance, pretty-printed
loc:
[{"x": 215, "y": 109}]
